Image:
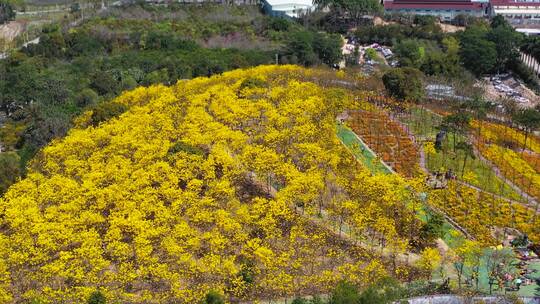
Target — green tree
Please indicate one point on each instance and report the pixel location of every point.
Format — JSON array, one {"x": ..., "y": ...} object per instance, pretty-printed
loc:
[
  {"x": 431, "y": 230},
  {"x": 529, "y": 120},
  {"x": 457, "y": 123},
  {"x": 345, "y": 293},
  {"x": 299, "y": 48},
  {"x": 384, "y": 291},
  {"x": 354, "y": 9},
  {"x": 507, "y": 42},
  {"x": 328, "y": 48},
  {"x": 97, "y": 297},
  {"x": 478, "y": 54},
  {"x": 104, "y": 83},
  {"x": 468, "y": 151},
  {"x": 10, "y": 170},
  {"x": 213, "y": 297},
  {"x": 404, "y": 83},
  {"x": 107, "y": 110},
  {"x": 75, "y": 8},
  {"x": 7, "y": 12},
  {"x": 499, "y": 20},
  {"x": 86, "y": 97},
  {"x": 410, "y": 53}
]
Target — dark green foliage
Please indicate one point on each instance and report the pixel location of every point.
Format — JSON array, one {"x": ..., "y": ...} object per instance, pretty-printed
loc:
[
  {"x": 10, "y": 170},
  {"x": 187, "y": 148},
  {"x": 410, "y": 53},
  {"x": 526, "y": 74},
  {"x": 86, "y": 97},
  {"x": 159, "y": 76},
  {"x": 404, "y": 83},
  {"x": 74, "y": 8},
  {"x": 345, "y": 293},
  {"x": 394, "y": 33},
  {"x": 528, "y": 119},
  {"x": 531, "y": 46},
  {"x": 309, "y": 48},
  {"x": 477, "y": 53},
  {"x": 7, "y": 12},
  {"x": 213, "y": 297},
  {"x": 499, "y": 21},
  {"x": 431, "y": 230},
  {"x": 424, "y": 20},
  {"x": 328, "y": 48},
  {"x": 507, "y": 42},
  {"x": 314, "y": 300},
  {"x": 253, "y": 82},
  {"x": 97, "y": 297},
  {"x": 300, "y": 301},
  {"x": 104, "y": 83},
  {"x": 107, "y": 110},
  {"x": 351, "y": 9},
  {"x": 456, "y": 123},
  {"x": 384, "y": 291},
  {"x": 279, "y": 24}
]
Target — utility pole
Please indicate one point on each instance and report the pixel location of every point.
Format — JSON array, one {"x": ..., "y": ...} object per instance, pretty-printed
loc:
[{"x": 277, "y": 59}]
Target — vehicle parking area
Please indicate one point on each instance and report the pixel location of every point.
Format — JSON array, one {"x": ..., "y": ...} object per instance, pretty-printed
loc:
[
  {"x": 369, "y": 56},
  {"x": 506, "y": 86}
]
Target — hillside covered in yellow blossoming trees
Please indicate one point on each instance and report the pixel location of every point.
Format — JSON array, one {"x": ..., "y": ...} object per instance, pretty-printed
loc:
[{"x": 235, "y": 183}]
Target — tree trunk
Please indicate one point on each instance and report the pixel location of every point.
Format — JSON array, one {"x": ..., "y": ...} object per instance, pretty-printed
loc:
[{"x": 464, "y": 163}]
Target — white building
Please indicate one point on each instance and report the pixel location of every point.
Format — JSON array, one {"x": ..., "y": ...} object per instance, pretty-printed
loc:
[
  {"x": 287, "y": 8},
  {"x": 520, "y": 13}
]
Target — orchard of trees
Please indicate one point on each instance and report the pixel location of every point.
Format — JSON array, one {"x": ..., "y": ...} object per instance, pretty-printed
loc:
[
  {"x": 223, "y": 183},
  {"x": 44, "y": 86},
  {"x": 132, "y": 183}
]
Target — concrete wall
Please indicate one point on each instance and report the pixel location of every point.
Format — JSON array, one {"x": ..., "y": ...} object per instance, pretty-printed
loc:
[
  {"x": 453, "y": 299},
  {"x": 443, "y": 14}
]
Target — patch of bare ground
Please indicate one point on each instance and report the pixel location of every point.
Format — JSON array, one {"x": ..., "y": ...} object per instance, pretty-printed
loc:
[
  {"x": 10, "y": 30},
  {"x": 449, "y": 28}
]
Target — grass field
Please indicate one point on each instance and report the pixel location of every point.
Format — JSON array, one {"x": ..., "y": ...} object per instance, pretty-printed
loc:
[
  {"x": 423, "y": 124},
  {"x": 450, "y": 236},
  {"x": 360, "y": 150}
]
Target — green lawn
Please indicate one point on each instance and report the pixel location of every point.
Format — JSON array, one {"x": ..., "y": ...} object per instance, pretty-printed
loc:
[
  {"x": 485, "y": 178},
  {"x": 364, "y": 155},
  {"x": 423, "y": 123},
  {"x": 360, "y": 150},
  {"x": 450, "y": 237}
]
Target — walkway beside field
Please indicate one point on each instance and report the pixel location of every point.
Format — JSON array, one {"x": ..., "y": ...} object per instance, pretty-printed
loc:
[
  {"x": 366, "y": 156},
  {"x": 530, "y": 203},
  {"x": 497, "y": 171}
]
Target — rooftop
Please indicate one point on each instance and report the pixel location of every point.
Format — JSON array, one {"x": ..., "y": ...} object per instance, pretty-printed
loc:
[
  {"x": 514, "y": 3},
  {"x": 433, "y": 4}
]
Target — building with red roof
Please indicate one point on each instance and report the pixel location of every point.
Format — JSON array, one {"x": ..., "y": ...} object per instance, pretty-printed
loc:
[{"x": 445, "y": 9}]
